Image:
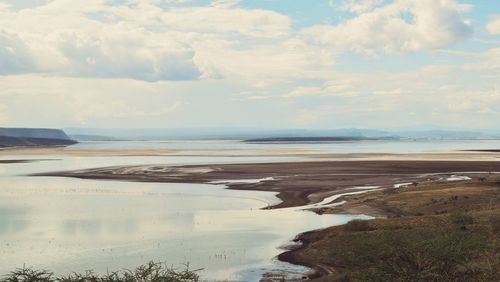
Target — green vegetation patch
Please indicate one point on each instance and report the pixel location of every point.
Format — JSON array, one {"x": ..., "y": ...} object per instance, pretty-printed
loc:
[{"x": 435, "y": 231}]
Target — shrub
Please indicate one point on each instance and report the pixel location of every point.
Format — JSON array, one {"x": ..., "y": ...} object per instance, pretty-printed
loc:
[
  {"x": 495, "y": 224},
  {"x": 420, "y": 257},
  {"x": 26, "y": 274},
  {"x": 357, "y": 225},
  {"x": 461, "y": 218},
  {"x": 150, "y": 272}
]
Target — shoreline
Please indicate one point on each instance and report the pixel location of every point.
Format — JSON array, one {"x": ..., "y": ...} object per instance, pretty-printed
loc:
[
  {"x": 296, "y": 183},
  {"x": 432, "y": 207},
  {"x": 303, "y": 240},
  {"x": 299, "y": 184},
  {"x": 302, "y": 153}
]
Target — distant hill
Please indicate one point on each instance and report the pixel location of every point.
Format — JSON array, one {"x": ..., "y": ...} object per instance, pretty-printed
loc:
[
  {"x": 219, "y": 133},
  {"x": 259, "y": 133},
  {"x": 306, "y": 139},
  {"x": 448, "y": 135},
  {"x": 29, "y": 137}
]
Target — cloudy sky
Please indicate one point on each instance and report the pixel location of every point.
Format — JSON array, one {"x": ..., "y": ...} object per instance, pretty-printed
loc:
[{"x": 387, "y": 64}]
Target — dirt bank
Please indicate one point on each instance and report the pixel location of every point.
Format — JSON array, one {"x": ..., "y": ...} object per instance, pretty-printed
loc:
[{"x": 297, "y": 183}]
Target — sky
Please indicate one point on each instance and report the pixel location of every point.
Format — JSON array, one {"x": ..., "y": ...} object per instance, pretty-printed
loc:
[{"x": 318, "y": 64}]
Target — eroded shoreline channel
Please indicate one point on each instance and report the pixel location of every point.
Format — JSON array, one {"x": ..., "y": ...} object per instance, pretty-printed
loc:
[{"x": 300, "y": 184}]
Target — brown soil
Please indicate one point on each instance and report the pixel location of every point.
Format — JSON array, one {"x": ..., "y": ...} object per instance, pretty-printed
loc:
[
  {"x": 14, "y": 161},
  {"x": 297, "y": 183}
]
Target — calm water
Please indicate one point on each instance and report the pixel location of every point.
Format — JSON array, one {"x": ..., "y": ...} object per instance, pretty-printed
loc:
[
  {"x": 333, "y": 147},
  {"x": 69, "y": 225}
]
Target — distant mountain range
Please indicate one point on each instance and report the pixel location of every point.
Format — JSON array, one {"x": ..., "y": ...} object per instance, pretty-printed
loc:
[
  {"x": 88, "y": 134},
  {"x": 312, "y": 139},
  {"x": 55, "y": 137},
  {"x": 29, "y": 137}
]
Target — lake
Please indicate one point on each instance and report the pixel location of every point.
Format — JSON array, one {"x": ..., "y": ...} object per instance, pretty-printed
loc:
[{"x": 67, "y": 225}]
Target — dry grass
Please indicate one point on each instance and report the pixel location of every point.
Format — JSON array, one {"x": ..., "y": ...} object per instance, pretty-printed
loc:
[{"x": 437, "y": 231}]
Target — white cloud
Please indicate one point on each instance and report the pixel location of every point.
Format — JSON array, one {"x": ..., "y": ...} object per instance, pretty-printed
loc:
[
  {"x": 4, "y": 113},
  {"x": 131, "y": 55},
  {"x": 393, "y": 92},
  {"x": 493, "y": 26},
  {"x": 224, "y": 3},
  {"x": 85, "y": 62},
  {"x": 443, "y": 95},
  {"x": 56, "y": 38},
  {"x": 22, "y": 4},
  {"x": 329, "y": 89},
  {"x": 490, "y": 61},
  {"x": 477, "y": 101},
  {"x": 53, "y": 100},
  {"x": 265, "y": 64},
  {"x": 258, "y": 97},
  {"x": 398, "y": 27},
  {"x": 359, "y": 6},
  {"x": 141, "y": 41},
  {"x": 14, "y": 54},
  {"x": 492, "y": 57},
  {"x": 226, "y": 19}
]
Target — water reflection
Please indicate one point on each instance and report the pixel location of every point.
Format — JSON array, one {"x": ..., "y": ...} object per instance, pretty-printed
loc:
[
  {"x": 72, "y": 224},
  {"x": 249, "y": 149},
  {"x": 69, "y": 225},
  {"x": 12, "y": 219},
  {"x": 72, "y": 227}
]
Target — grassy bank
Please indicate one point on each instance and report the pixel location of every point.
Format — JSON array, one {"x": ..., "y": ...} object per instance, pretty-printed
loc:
[
  {"x": 150, "y": 272},
  {"x": 434, "y": 231}
]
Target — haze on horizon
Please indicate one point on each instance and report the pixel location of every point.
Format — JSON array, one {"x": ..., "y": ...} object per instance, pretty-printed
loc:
[{"x": 383, "y": 64}]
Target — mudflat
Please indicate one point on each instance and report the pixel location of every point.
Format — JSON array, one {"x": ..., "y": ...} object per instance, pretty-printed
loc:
[
  {"x": 14, "y": 161},
  {"x": 297, "y": 183}
]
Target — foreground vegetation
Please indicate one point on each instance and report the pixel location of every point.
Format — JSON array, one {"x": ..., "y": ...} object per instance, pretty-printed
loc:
[
  {"x": 435, "y": 231},
  {"x": 150, "y": 272}
]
